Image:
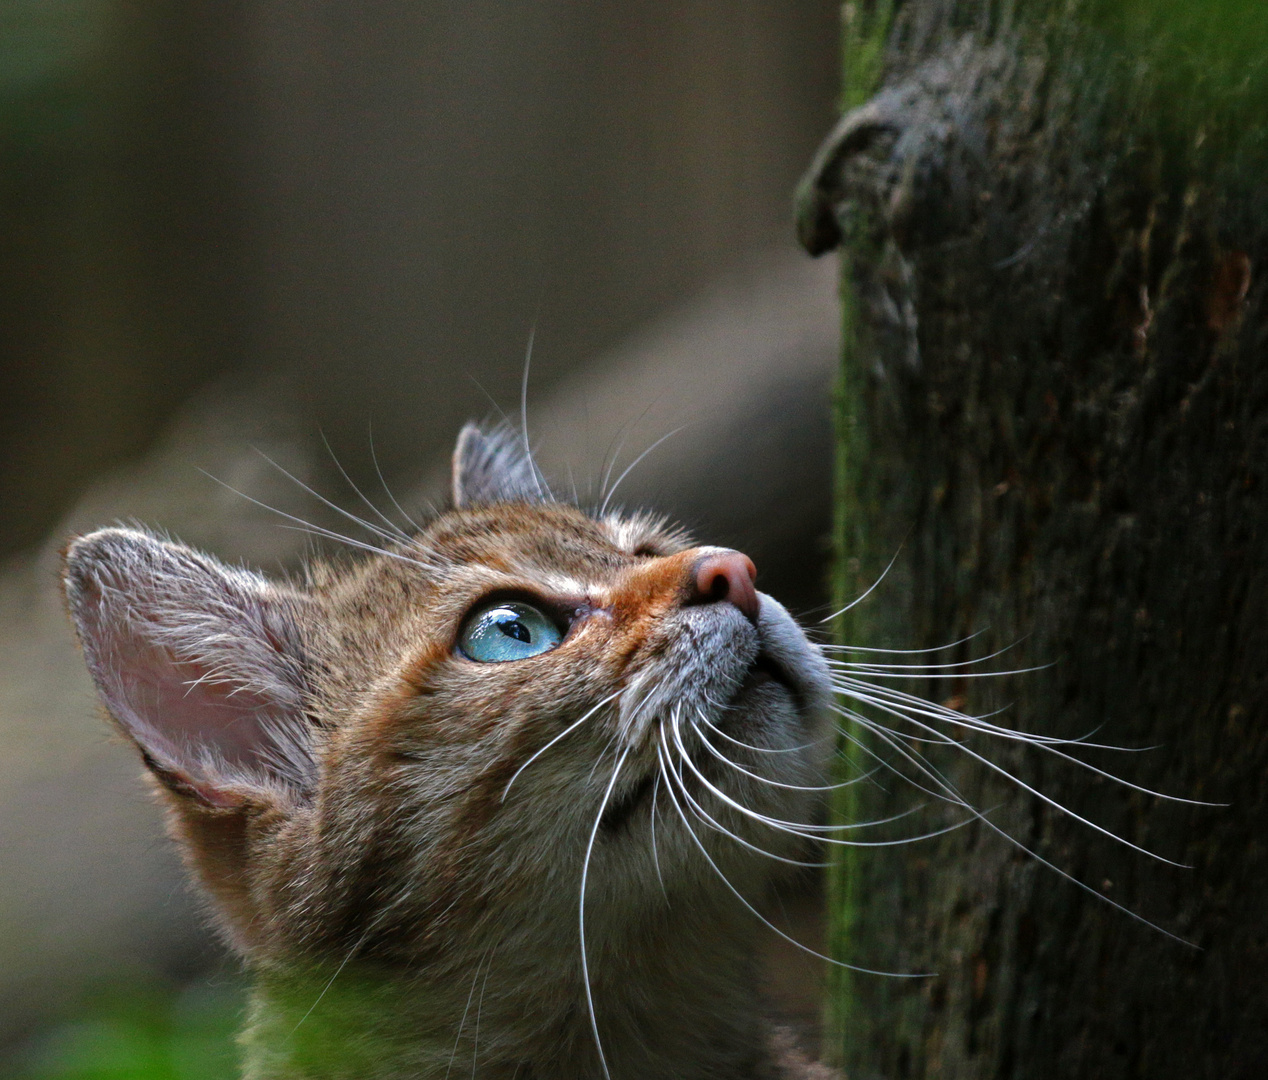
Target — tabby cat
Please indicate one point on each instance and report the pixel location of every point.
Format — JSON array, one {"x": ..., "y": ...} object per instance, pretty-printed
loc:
[{"x": 498, "y": 799}]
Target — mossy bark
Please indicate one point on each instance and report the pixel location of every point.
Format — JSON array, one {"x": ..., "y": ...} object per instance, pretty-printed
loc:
[{"x": 1054, "y": 407}]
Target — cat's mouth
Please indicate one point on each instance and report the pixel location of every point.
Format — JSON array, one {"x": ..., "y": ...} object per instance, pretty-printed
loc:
[
  {"x": 763, "y": 671},
  {"x": 619, "y": 812}
]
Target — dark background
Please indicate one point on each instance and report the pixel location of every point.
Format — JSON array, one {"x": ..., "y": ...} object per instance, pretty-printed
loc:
[{"x": 366, "y": 206}]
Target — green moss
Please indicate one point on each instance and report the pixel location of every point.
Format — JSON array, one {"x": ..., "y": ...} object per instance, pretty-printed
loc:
[
  {"x": 140, "y": 1034},
  {"x": 865, "y": 29},
  {"x": 849, "y": 547}
]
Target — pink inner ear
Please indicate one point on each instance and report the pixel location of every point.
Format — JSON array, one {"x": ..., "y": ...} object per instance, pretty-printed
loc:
[
  {"x": 198, "y": 662},
  {"x": 210, "y": 733},
  {"x": 192, "y": 709}
]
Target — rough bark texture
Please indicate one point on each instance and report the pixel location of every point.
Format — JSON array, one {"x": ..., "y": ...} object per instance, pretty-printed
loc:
[{"x": 1055, "y": 391}]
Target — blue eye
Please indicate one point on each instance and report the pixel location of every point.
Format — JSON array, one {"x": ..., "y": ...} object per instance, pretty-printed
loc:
[{"x": 507, "y": 630}]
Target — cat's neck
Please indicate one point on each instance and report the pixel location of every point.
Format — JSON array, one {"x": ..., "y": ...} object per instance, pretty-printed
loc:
[{"x": 665, "y": 1007}]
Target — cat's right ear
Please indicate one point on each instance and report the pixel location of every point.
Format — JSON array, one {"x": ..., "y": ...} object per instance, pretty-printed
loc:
[
  {"x": 201, "y": 665},
  {"x": 493, "y": 467}
]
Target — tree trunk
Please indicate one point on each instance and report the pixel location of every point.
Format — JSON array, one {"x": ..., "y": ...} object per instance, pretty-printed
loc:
[{"x": 1054, "y": 407}]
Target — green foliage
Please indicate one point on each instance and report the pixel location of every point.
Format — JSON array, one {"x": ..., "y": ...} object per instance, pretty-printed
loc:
[{"x": 142, "y": 1035}]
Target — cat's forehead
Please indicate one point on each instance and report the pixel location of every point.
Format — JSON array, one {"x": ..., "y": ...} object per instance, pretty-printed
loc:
[
  {"x": 549, "y": 545},
  {"x": 547, "y": 536}
]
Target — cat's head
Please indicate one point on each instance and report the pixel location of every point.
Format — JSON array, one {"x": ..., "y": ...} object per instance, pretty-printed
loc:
[{"x": 430, "y": 746}]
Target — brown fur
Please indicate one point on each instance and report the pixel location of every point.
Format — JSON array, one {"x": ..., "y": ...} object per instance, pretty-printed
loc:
[{"x": 370, "y": 862}]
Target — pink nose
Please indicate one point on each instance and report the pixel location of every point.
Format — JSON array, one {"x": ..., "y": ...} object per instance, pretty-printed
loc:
[{"x": 727, "y": 575}]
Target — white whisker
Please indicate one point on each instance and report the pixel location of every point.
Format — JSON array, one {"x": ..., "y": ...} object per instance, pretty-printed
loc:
[
  {"x": 390, "y": 537},
  {"x": 617, "y": 443},
  {"x": 869, "y": 664},
  {"x": 872, "y": 589},
  {"x": 882, "y": 697},
  {"x": 706, "y": 818},
  {"x": 870, "y": 694},
  {"x": 911, "y": 719},
  {"x": 603, "y": 509},
  {"x": 397, "y": 532},
  {"x": 374, "y": 457},
  {"x": 581, "y": 909},
  {"x": 655, "y": 855},
  {"x": 463, "y": 1022},
  {"x": 610, "y": 463},
  {"x": 900, "y": 671},
  {"x": 327, "y": 534},
  {"x": 711, "y": 822},
  {"x": 903, "y": 652},
  {"x": 543, "y": 492},
  {"x": 803, "y": 830},
  {"x": 750, "y": 746},
  {"x": 909, "y": 755},
  {"x": 316, "y": 530},
  {"x": 756, "y": 776},
  {"x": 909, "y": 706},
  {"x": 365, "y": 934},
  {"x": 956, "y": 797},
  {"x": 475, "y": 1042},
  {"x": 571, "y": 727},
  {"x": 598, "y": 758},
  {"x": 669, "y": 787}
]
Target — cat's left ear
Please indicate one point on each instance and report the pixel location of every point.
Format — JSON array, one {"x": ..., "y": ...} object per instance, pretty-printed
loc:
[
  {"x": 200, "y": 664},
  {"x": 494, "y": 467}
]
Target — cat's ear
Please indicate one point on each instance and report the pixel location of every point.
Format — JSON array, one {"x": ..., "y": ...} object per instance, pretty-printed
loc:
[
  {"x": 201, "y": 665},
  {"x": 493, "y": 467}
]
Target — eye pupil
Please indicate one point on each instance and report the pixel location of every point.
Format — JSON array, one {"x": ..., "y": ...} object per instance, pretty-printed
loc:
[{"x": 513, "y": 628}]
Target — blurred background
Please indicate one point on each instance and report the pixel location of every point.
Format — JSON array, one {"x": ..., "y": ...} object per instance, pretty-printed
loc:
[{"x": 303, "y": 231}]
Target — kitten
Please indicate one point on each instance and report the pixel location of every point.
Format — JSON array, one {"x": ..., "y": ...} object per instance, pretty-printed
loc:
[{"x": 496, "y": 800}]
